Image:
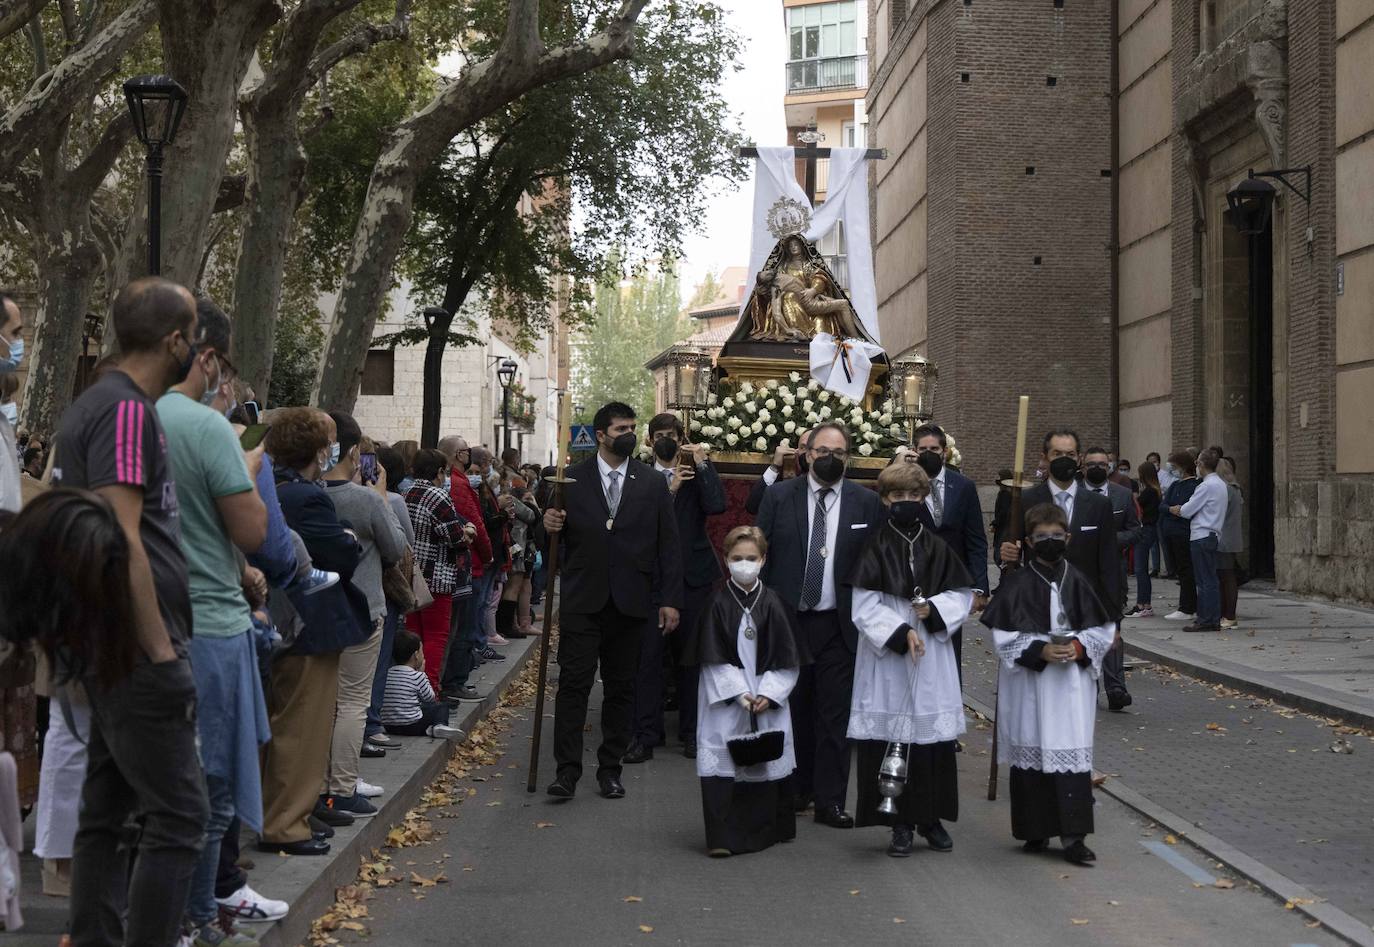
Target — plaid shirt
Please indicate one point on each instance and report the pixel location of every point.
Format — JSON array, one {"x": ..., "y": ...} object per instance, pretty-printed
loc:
[{"x": 440, "y": 547}]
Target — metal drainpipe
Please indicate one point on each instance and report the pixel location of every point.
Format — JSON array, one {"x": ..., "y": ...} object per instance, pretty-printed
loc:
[{"x": 1114, "y": 426}]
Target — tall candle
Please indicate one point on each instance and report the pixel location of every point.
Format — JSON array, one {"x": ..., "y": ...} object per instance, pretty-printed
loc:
[
  {"x": 564, "y": 435},
  {"x": 1022, "y": 411}
]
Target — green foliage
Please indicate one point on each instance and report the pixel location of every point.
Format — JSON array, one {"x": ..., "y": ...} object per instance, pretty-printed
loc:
[
  {"x": 634, "y": 320},
  {"x": 299, "y": 338}
]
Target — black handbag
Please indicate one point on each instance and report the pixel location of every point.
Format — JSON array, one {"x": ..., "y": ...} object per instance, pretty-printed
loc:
[
  {"x": 753, "y": 748},
  {"x": 332, "y": 619}
]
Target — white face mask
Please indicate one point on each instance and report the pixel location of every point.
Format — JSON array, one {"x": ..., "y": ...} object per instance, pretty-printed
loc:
[
  {"x": 744, "y": 572},
  {"x": 10, "y": 412}
]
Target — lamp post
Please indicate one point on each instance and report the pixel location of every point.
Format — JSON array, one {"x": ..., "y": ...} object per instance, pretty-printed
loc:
[
  {"x": 505, "y": 372},
  {"x": 689, "y": 381},
  {"x": 156, "y": 104},
  {"x": 913, "y": 378}
]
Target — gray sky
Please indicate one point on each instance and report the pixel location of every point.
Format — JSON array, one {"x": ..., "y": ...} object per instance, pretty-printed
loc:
[{"x": 721, "y": 238}]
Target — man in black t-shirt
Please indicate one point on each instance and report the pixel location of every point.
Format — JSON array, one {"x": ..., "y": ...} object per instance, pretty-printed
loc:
[{"x": 142, "y": 746}]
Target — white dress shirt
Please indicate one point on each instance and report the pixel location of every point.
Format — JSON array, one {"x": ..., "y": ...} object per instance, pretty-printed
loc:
[
  {"x": 1071, "y": 490},
  {"x": 1206, "y": 510},
  {"x": 937, "y": 483},
  {"x": 606, "y": 469},
  {"x": 667, "y": 472},
  {"x": 770, "y": 476},
  {"x": 832, "y": 535}
]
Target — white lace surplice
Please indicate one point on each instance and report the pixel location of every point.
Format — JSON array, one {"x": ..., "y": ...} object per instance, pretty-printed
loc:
[
  {"x": 895, "y": 700},
  {"x": 1045, "y": 718},
  {"x": 721, "y": 718}
]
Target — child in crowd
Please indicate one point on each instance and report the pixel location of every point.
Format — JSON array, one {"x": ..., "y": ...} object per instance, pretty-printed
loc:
[
  {"x": 409, "y": 707},
  {"x": 750, "y": 661},
  {"x": 1051, "y": 632},
  {"x": 911, "y": 592}
]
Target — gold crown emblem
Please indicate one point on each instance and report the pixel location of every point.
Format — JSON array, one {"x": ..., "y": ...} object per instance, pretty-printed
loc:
[{"x": 787, "y": 217}]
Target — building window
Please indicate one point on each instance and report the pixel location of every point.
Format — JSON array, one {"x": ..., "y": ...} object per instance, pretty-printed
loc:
[
  {"x": 379, "y": 372},
  {"x": 823, "y": 47},
  {"x": 832, "y": 247}
]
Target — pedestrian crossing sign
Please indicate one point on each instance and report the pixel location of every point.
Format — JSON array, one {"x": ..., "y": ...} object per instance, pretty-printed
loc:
[{"x": 582, "y": 437}]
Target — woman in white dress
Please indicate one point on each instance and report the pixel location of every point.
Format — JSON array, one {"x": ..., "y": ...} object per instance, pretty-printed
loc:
[
  {"x": 911, "y": 592},
  {"x": 750, "y": 661}
]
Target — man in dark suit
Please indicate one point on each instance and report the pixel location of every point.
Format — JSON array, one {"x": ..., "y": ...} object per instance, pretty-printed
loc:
[
  {"x": 1093, "y": 546},
  {"x": 697, "y": 493},
  {"x": 957, "y": 514},
  {"x": 622, "y": 555},
  {"x": 816, "y": 527},
  {"x": 777, "y": 471},
  {"x": 1097, "y": 469}
]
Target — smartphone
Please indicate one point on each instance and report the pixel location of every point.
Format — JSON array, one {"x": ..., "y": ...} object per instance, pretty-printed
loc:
[
  {"x": 685, "y": 458},
  {"x": 253, "y": 434},
  {"x": 250, "y": 411},
  {"x": 367, "y": 467},
  {"x": 1061, "y": 639}
]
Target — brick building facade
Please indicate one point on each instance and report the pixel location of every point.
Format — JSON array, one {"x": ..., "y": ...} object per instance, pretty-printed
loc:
[{"x": 1159, "y": 108}]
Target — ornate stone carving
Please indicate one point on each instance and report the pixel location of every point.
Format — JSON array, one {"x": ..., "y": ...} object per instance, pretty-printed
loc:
[{"x": 1266, "y": 75}]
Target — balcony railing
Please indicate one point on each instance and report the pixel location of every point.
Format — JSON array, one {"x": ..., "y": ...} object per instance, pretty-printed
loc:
[{"x": 826, "y": 75}]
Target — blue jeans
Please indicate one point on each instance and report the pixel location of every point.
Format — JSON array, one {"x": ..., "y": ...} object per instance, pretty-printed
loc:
[
  {"x": 1144, "y": 550},
  {"x": 1204, "y": 553},
  {"x": 482, "y": 593},
  {"x": 1156, "y": 548},
  {"x": 384, "y": 662},
  {"x": 201, "y": 907}
]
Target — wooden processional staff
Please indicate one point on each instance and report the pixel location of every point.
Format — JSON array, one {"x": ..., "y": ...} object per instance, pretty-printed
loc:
[
  {"x": 563, "y": 438},
  {"x": 1017, "y": 528}
]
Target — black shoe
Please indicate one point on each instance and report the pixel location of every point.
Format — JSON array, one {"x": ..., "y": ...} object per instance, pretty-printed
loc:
[
  {"x": 326, "y": 813},
  {"x": 835, "y": 817},
  {"x": 689, "y": 748},
  {"x": 611, "y": 787},
  {"x": 491, "y": 654},
  {"x": 310, "y": 846},
  {"x": 1201, "y": 627},
  {"x": 903, "y": 842},
  {"x": 320, "y": 829},
  {"x": 1118, "y": 700},
  {"x": 937, "y": 838},
  {"x": 1035, "y": 846},
  {"x": 564, "y": 787},
  {"x": 1079, "y": 854},
  {"x": 370, "y": 752},
  {"x": 455, "y": 694},
  {"x": 1154, "y": 574},
  {"x": 802, "y": 803},
  {"x": 958, "y": 746},
  {"x": 638, "y": 753}
]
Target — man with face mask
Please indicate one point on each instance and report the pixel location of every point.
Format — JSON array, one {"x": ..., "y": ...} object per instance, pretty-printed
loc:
[
  {"x": 697, "y": 493},
  {"x": 622, "y": 555},
  {"x": 112, "y": 442},
  {"x": 11, "y": 355},
  {"x": 816, "y": 526},
  {"x": 1092, "y": 545}
]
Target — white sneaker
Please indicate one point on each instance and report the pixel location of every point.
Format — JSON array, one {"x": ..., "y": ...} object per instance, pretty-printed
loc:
[
  {"x": 1178, "y": 616},
  {"x": 497, "y": 641},
  {"x": 442, "y": 731},
  {"x": 1230, "y": 623},
  {"x": 248, "y": 905},
  {"x": 368, "y": 790},
  {"x": 382, "y": 740}
]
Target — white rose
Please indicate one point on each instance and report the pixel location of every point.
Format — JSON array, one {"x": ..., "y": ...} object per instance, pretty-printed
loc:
[
  {"x": 895, "y": 430},
  {"x": 808, "y": 405},
  {"x": 885, "y": 418},
  {"x": 789, "y": 426},
  {"x": 788, "y": 398},
  {"x": 787, "y": 410},
  {"x": 857, "y": 414},
  {"x": 845, "y": 401},
  {"x": 887, "y": 406},
  {"x": 751, "y": 407},
  {"x": 728, "y": 403},
  {"x": 731, "y": 439},
  {"x": 764, "y": 415},
  {"x": 761, "y": 443},
  {"x": 746, "y": 389},
  {"x": 812, "y": 419},
  {"x": 803, "y": 391},
  {"x": 794, "y": 377},
  {"x": 696, "y": 425},
  {"x": 711, "y": 398},
  {"x": 733, "y": 422},
  {"x": 824, "y": 396},
  {"x": 825, "y": 412},
  {"x": 770, "y": 404},
  {"x": 813, "y": 385},
  {"x": 757, "y": 427},
  {"x": 872, "y": 437},
  {"x": 866, "y": 450},
  {"x": 772, "y": 383},
  {"x": 770, "y": 430}
]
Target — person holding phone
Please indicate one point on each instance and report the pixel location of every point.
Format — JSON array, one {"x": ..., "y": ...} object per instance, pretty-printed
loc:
[{"x": 1052, "y": 632}]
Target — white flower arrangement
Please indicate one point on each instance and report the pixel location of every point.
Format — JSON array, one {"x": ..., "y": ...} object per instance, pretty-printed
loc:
[
  {"x": 808, "y": 406},
  {"x": 771, "y": 430},
  {"x": 787, "y": 410},
  {"x": 865, "y": 427},
  {"x": 731, "y": 439},
  {"x": 773, "y": 384},
  {"x": 823, "y": 396},
  {"x": 696, "y": 424},
  {"x": 751, "y": 407},
  {"x": 789, "y": 426},
  {"x": 746, "y": 389},
  {"x": 824, "y": 412},
  {"x": 761, "y": 444},
  {"x": 771, "y": 404},
  {"x": 794, "y": 377},
  {"x": 866, "y": 450},
  {"x": 756, "y": 427},
  {"x": 813, "y": 419},
  {"x": 885, "y": 419},
  {"x": 764, "y": 415},
  {"x": 733, "y": 421}
]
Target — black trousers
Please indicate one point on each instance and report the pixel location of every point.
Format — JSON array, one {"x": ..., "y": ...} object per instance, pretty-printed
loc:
[
  {"x": 611, "y": 639},
  {"x": 649, "y": 681},
  {"x": 1181, "y": 558},
  {"x": 820, "y": 710},
  {"x": 1114, "y": 670}
]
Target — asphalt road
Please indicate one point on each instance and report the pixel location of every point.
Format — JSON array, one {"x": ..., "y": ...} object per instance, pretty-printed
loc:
[{"x": 634, "y": 871}]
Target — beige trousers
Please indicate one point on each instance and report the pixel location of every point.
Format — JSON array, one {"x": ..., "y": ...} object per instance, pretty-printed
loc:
[
  {"x": 357, "y": 665},
  {"x": 301, "y": 701}
]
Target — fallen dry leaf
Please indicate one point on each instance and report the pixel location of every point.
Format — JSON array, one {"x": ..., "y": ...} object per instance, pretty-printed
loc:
[
  {"x": 1223, "y": 883},
  {"x": 422, "y": 881},
  {"x": 854, "y": 891},
  {"x": 1171, "y": 839},
  {"x": 645, "y": 929},
  {"x": 632, "y": 899},
  {"x": 899, "y": 920},
  {"x": 1078, "y": 921}
]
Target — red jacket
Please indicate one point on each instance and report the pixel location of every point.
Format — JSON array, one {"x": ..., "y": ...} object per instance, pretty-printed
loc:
[{"x": 465, "y": 500}]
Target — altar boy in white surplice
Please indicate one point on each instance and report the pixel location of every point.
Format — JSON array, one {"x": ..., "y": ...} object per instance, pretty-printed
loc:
[
  {"x": 911, "y": 592},
  {"x": 750, "y": 660},
  {"x": 1051, "y": 632}
]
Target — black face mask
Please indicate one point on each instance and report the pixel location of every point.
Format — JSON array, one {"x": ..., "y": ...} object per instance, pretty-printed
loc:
[
  {"x": 1051, "y": 550},
  {"x": 828, "y": 469},
  {"x": 905, "y": 514},
  {"x": 1063, "y": 469},
  {"x": 184, "y": 368},
  {"x": 665, "y": 449},
  {"x": 624, "y": 445},
  {"x": 1095, "y": 476},
  {"x": 930, "y": 462}
]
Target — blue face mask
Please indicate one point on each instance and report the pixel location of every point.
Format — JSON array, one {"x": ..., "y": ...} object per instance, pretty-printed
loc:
[
  {"x": 474, "y": 480},
  {"x": 10, "y": 412},
  {"x": 325, "y": 467},
  {"x": 16, "y": 356}
]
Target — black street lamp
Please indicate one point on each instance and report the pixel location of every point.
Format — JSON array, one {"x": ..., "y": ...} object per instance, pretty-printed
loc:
[
  {"x": 505, "y": 372},
  {"x": 1251, "y": 202},
  {"x": 156, "y": 104}
]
